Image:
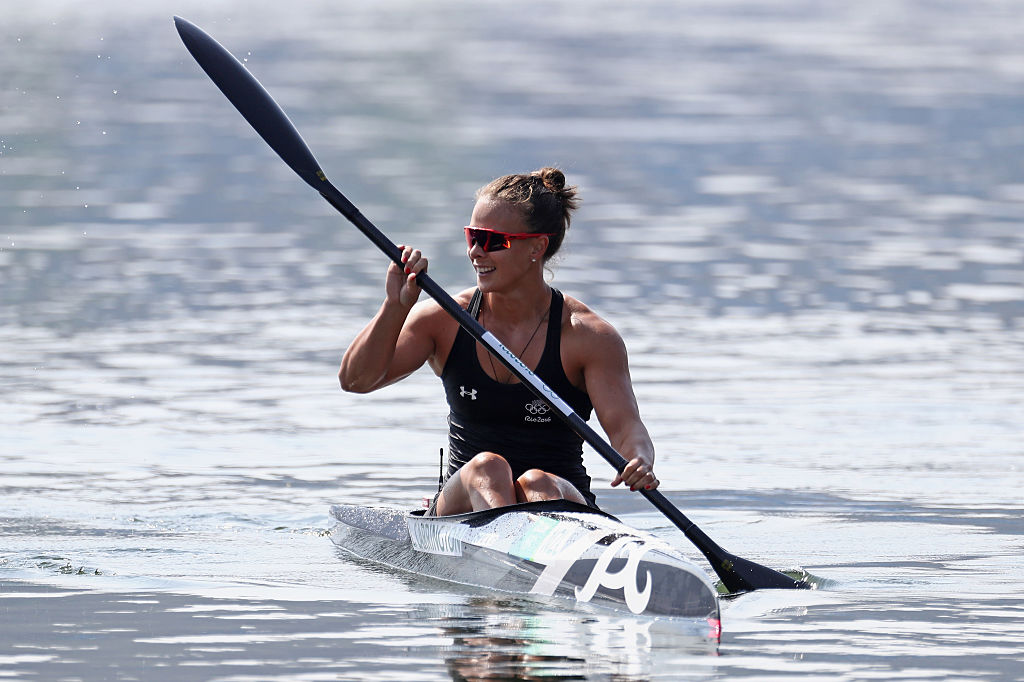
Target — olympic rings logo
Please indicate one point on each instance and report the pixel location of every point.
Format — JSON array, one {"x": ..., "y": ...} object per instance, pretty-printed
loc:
[{"x": 538, "y": 407}]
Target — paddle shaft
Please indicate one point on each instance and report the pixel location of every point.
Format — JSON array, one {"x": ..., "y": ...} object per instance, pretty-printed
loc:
[{"x": 269, "y": 120}]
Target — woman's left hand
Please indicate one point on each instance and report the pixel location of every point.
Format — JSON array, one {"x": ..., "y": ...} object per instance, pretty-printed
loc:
[{"x": 637, "y": 474}]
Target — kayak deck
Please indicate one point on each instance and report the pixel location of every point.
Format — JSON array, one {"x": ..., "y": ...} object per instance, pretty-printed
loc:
[{"x": 559, "y": 549}]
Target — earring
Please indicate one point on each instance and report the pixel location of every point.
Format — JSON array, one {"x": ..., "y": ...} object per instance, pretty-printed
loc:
[{"x": 533, "y": 260}]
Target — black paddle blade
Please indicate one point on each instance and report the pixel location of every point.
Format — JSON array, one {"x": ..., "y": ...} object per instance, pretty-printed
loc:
[
  {"x": 252, "y": 101},
  {"x": 739, "y": 574}
]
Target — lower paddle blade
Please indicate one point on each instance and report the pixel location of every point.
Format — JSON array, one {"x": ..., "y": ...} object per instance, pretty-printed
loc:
[
  {"x": 741, "y": 575},
  {"x": 736, "y": 573}
]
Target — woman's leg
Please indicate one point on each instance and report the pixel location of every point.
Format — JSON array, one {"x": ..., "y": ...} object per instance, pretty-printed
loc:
[
  {"x": 484, "y": 482},
  {"x": 536, "y": 486}
]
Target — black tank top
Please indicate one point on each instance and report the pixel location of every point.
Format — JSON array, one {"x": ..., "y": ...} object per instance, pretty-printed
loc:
[{"x": 509, "y": 419}]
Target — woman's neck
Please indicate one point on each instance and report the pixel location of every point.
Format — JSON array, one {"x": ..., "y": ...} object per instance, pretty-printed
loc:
[{"x": 522, "y": 304}]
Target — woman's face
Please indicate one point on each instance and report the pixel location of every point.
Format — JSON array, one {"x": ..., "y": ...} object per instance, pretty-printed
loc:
[{"x": 502, "y": 267}]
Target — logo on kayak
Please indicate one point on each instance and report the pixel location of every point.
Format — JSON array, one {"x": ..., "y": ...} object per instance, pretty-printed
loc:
[
  {"x": 464, "y": 393},
  {"x": 625, "y": 552},
  {"x": 625, "y": 578},
  {"x": 537, "y": 411}
]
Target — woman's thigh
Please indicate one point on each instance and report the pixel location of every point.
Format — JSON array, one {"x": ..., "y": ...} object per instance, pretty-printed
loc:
[{"x": 536, "y": 485}]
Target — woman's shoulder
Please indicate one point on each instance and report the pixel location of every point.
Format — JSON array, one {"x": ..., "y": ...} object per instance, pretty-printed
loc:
[
  {"x": 465, "y": 296},
  {"x": 583, "y": 325},
  {"x": 590, "y": 345}
]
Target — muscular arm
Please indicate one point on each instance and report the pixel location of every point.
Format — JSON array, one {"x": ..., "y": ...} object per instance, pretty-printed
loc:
[
  {"x": 399, "y": 338},
  {"x": 606, "y": 373},
  {"x": 392, "y": 346}
]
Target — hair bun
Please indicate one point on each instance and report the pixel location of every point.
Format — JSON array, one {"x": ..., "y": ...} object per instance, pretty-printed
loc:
[{"x": 552, "y": 178}]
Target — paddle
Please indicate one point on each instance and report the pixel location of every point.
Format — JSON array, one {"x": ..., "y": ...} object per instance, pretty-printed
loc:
[{"x": 273, "y": 125}]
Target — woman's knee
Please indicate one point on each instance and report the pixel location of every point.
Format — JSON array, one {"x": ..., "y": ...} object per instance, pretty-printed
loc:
[
  {"x": 536, "y": 485},
  {"x": 489, "y": 465},
  {"x": 536, "y": 481},
  {"x": 534, "y": 477}
]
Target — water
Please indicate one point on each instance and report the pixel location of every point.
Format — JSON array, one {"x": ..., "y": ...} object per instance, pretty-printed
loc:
[{"x": 804, "y": 219}]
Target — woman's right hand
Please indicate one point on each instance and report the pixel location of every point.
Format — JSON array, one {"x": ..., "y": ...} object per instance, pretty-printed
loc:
[{"x": 401, "y": 281}]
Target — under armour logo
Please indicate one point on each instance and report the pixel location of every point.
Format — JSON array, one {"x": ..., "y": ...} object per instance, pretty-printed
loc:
[{"x": 463, "y": 393}]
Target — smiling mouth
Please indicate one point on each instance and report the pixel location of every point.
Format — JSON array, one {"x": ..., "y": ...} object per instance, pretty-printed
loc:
[{"x": 483, "y": 270}]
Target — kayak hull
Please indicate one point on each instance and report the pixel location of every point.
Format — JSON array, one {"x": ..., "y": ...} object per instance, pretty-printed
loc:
[{"x": 556, "y": 549}]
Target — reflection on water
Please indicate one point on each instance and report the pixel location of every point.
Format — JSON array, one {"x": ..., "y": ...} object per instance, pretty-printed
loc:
[
  {"x": 491, "y": 642},
  {"x": 804, "y": 219},
  {"x": 295, "y": 637}
]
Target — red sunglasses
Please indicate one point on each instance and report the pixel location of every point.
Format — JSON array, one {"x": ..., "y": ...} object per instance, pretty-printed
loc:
[{"x": 493, "y": 240}]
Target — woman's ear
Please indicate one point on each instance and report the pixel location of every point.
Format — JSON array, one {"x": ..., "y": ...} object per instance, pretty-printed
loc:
[{"x": 539, "y": 249}]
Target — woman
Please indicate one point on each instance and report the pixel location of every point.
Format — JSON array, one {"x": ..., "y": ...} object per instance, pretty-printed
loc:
[{"x": 505, "y": 445}]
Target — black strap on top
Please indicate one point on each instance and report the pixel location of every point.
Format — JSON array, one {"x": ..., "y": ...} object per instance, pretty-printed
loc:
[{"x": 475, "y": 303}]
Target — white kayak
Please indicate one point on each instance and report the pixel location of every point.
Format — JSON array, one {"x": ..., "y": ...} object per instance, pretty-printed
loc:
[{"x": 550, "y": 549}]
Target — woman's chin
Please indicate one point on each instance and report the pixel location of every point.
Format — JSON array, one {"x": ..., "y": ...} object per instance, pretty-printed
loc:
[{"x": 485, "y": 280}]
